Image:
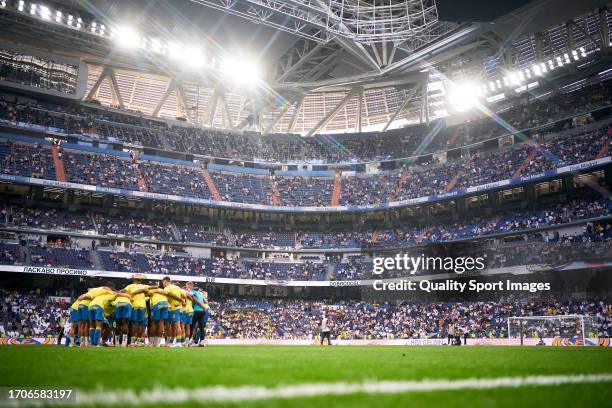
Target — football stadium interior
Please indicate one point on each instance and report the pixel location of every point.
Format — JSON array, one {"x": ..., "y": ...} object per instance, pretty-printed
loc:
[{"x": 198, "y": 197}]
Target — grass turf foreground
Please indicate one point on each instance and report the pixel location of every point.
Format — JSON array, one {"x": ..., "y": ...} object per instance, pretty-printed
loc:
[{"x": 143, "y": 369}]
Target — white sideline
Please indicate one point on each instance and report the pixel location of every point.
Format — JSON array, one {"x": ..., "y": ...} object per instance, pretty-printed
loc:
[{"x": 251, "y": 392}]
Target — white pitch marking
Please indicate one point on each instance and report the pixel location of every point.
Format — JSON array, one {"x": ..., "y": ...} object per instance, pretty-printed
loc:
[{"x": 252, "y": 392}]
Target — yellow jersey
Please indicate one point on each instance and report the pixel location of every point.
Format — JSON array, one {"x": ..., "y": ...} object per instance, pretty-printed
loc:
[
  {"x": 175, "y": 291},
  {"x": 157, "y": 298},
  {"x": 139, "y": 301},
  {"x": 188, "y": 303},
  {"x": 95, "y": 292},
  {"x": 105, "y": 302},
  {"x": 122, "y": 299},
  {"x": 75, "y": 305}
]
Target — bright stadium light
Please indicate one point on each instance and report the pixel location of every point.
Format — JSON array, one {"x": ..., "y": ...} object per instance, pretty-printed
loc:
[
  {"x": 58, "y": 16},
  {"x": 243, "y": 72},
  {"x": 45, "y": 13},
  {"x": 156, "y": 45},
  {"x": 175, "y": 51},
  {"x": 195, "y": 58},
  {"x": 536, "y": 70},
  {"x": 33, "y": 8},
  {"x": 464, "y": 96},
  {"x": 20, "y": 5},
  {"x": 127, "y": 37}
]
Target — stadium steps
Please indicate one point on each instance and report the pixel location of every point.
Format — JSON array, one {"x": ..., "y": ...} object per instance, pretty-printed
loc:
[
  {"x": 175, "y": 231},
  {"x": 526, "y": 162},
  {"x": 95, "y": 224},
  {"x": 164, "y": 141},
  {"x": 60, "y": 172},
  {"x": 231, "y": 237},
  {"x": 95, "y": 259},
  {"x": 451, "y": 184},
  {"x": 604, "y": 149},
  {"x": 274, "y": 195},
  {"x": 142, "y": 184},
  {"x": 25, "y": 254},
  {"x": 211, "y": 185},
  {"x": 335, "y": 201}
]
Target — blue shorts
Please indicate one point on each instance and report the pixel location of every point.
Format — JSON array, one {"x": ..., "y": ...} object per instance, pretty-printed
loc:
[
  {"x": 96, "y": 313},
  {"x": 138, "y": 314},
  {"x": 83, "y": 312},
  {"x": 206, "y": 314},
  {"x": 75, "y": 316},
  {"x": 123, "y": 311},
  {"x": 174, "y": 315},
  {"x": 187, "y": 317},
  {"x": 159, "y": 311}
]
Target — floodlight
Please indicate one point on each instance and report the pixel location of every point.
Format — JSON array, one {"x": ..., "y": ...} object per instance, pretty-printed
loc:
[
  {"x": 559, "y": 62},
  {"x": 464, "y": 96},
  {"x": 33, "y": 8},
  {"x": 536, "y": 69},
  {"x": 175, "y": 51},
  {"x": 45, "y": 13},
  {"x": 127, "y": 37},
  {"x": 93, "y": 27},
  {"x": 243, "y": 72},
  {"x": 20, "y": 5},
  {"x": 79, "y": 22},
  {"x": 567, "y": 58},
  {"x": 70, "y": 19},
  {"x": 156, "y": 45},
  {"x": 514, "y": 80},
  {"x": 58, "y": 16},
  {"x": 575, "y": 55},
  {"x": 543, "y": 67},
  {"x": 582, "y": 52}
]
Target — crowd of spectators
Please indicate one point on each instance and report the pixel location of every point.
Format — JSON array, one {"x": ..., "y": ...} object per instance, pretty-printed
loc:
[
  {"x": 46, "y": 219},
  {"x": 473, "y": 170},
  {"x": 157, "y": 229},
  {"x": 29, "y": 314},
  {"x": 32, "y": 314},
  {"x": 399, "y": 143},
  {"x": 410, "y": 182},
  {"x": 300, "y": 319}
]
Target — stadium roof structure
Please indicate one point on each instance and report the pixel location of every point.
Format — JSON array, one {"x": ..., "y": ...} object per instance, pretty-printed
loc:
[{"x": 330, "y": 65}]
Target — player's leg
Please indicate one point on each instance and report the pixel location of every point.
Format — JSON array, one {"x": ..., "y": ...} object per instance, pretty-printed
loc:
[
  {"x": 126, "y": 313},
  {"x": 202, "y": 325}
]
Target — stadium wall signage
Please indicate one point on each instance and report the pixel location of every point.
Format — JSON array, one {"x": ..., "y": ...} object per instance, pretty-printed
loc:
[
  {"x": 555, "y": 341},
  {"x": 513, "y": 270},
  {"x": 349, "y": 208}
]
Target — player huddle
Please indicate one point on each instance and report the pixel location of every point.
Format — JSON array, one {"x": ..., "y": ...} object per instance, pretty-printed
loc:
[{"x": 168, "y": 315}]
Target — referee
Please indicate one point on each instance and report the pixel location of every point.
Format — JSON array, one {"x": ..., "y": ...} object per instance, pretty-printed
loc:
[{"x": 325, "y": 330}]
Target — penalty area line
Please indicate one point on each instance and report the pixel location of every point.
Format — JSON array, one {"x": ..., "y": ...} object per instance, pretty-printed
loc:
[{"x": 252, "y": 393}]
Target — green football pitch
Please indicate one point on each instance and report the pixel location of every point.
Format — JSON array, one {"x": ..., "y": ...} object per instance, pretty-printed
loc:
[{"x": 312, "y": 376}]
